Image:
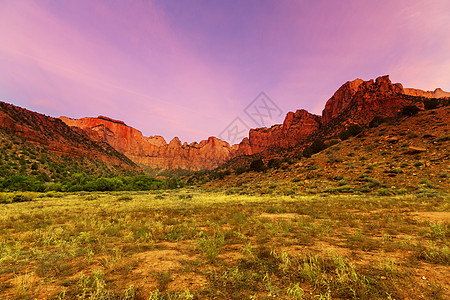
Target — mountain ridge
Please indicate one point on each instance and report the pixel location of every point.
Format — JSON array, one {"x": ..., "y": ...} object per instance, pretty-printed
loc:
[{"x": 356, "y": 102}]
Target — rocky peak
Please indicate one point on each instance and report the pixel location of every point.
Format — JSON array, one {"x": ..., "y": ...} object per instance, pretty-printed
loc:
[
  {"x": 437, "y": 93},
  {"x": 175, "y": 143},
  {"x": 111, "y": 120},
  {"x": 362, "y": 95},
  {"x": 340, "y": 100},
  {"x": 157, "y": 140}
]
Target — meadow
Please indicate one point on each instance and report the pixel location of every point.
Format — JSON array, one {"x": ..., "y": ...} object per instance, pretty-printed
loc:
[{"x": 194, "y": 243}]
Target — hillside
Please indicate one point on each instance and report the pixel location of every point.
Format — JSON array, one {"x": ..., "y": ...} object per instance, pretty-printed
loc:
[
  {"x": 404, "y": 155},
  {"x": 38, "y": 152},
  {"x": 55, "y": 136}
]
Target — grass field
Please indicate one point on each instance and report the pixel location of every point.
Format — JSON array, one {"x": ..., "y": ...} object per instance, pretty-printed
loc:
[{"x": 195, "y": 244}]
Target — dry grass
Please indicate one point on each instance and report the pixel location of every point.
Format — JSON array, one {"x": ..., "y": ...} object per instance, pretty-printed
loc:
[{"x": 213, "y": 245}]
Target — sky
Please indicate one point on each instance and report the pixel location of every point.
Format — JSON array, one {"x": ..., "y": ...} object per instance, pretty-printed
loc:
[{"x": 196, "y": 68}]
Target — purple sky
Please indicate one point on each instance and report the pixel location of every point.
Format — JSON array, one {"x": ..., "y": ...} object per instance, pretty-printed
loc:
[{"x": 188, "y": 68}]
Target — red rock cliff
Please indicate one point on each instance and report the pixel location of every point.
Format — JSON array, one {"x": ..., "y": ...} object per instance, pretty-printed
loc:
[
  {"x": 153, "y": 151},
  {"x": 296, "y": 128},
  {"x": 360, "y": 101}
]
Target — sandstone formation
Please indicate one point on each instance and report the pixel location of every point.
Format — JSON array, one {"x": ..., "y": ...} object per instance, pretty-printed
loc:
[
  {"x": 340, "y": 100},
  {"x": 358, "y": 102},
  {"x": 355, "y": 102},
  {"x": 296, "y": 128},
  {"x": 153, "y": 151}
]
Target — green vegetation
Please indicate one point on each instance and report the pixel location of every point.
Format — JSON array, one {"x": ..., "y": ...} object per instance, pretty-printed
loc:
[
  {"x": 80, "y": 182},
  {"x": 26, "y": 167}
]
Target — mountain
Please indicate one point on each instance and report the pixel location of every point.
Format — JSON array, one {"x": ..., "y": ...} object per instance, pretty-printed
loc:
[
  {"x": 55, "y": 136},
  {"x": 356, "y": 102},
  {"x": 153, "y": 151},
  {"x": 409, "y": 154},
  {"x": 437, "y": 93}
]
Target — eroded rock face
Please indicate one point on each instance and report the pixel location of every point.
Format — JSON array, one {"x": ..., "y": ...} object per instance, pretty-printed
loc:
[
  {"x": 437, "y": 93},
  {"x": 360, "y": 101},
  {"x": 340, "y": 100},
  {"x": 153, "y": 151},
  {"x": 296, "y": 128}
]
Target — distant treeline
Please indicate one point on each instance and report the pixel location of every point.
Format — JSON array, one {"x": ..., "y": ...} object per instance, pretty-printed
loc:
[{"x": 80, "y": 182}]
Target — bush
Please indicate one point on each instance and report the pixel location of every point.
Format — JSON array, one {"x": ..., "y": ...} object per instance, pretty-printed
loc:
[
  {"x": 353, "y": 130},
  {"x": 125, "y": 198},
  {"x": 431, "y": 103},
  {"x": 376, "y": 121},
  {"x": 240, "y": 170},
  {"x": 257, "y": 165},
  {"x": 172, "y": 183},
  {"x": 316, "y": 147},
  {"x": 274, "y": 163},
  {"x": 410, "y": 110},
  {"x": 91, "y": 197}
]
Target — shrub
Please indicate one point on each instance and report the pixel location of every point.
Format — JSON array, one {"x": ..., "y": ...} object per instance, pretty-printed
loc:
[
  {"x": 91, "y": 197},
  {"x": 410, "y": 110},
  {"x": 353, "y": 130},
  {"x": 377, "y": 121},
  {"x": 240, "y": 170},
  {"x": 125, "y": 198},
  {"x": 385, "y": 192},
  {"x": 23, "y": 197},
  {"x": 430, "y": 103},
  {"x": 257, "y": 165},
  {"x": 316, "y": 147},
  {"x": 172, "y": 183},
  {"x": 274, "y": 163}
]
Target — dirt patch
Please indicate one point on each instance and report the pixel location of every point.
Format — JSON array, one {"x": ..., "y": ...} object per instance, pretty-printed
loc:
[
  {"x": 231, "y": 253},
  {"x": 156, "y": 261},
  {"x": 433, "y": 216},
  {"x": 431, "y": 274},
  {"x": 285, "y": 216}
]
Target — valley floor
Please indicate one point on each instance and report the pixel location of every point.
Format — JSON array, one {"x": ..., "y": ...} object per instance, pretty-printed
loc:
[{"x": 197, "y": 244}]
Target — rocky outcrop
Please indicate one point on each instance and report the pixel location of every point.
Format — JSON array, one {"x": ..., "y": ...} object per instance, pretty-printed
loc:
[
  {"x": 340, "y": 100},
  {"x": 153, "y": 151},
  {"x": 437, "y": 93},
  {"x": 57, "y": 137},
  {"x": 358, "y": 102},
  {"x": 296, "y": 128}
]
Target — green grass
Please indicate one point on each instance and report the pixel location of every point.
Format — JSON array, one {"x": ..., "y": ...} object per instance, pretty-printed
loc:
[{"x": 149, "y": 245}]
